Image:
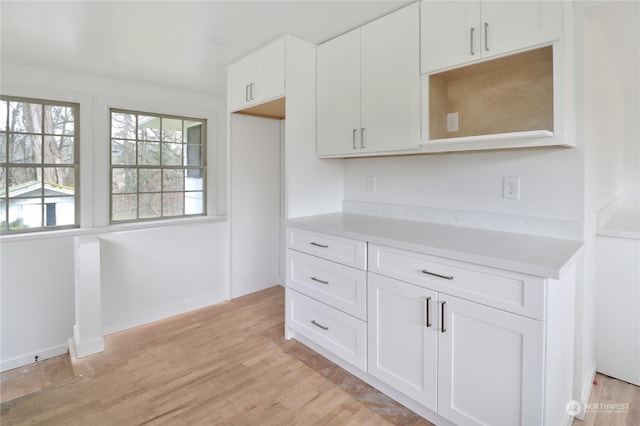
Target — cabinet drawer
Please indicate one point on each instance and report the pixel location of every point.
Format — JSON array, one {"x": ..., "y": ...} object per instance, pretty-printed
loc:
[
  {"x": 337, "y": 285},
  {"x": 343, "y": 250},
  {"x": 510, "y": 291},
  {"x": 335, "y": 331}
]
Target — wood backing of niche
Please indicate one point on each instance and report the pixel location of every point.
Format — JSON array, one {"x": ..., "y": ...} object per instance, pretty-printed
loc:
[{"x": 511, "y": 94}]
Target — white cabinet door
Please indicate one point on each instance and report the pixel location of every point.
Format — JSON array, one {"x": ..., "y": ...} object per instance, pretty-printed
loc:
[
  {"x": 257, "y": 78},
  {"x": 513, "y": 25},
  {"x": 241, "y": 74},
  {"x": 450, "y": 33},
  {"x": 338, "y": 103},
  {"x": 457, "y": 32},
  {"x": 390, "y": 82},
  {"x": 368, "y": 85},
  {"x": 402, "y": 339},
  {"x": 269, "y": 82},
  {"x": 490, "y": 365}
]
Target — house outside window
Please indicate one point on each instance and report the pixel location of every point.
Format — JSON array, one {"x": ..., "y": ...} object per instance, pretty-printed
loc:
[
  {"x": 39, "y": 152},
  {"x": 157, "y": 166}
]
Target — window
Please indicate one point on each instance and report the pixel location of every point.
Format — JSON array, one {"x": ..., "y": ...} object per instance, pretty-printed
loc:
[
  {"x": 157, "y": 166},
  {"x": 38, "y": 165}
]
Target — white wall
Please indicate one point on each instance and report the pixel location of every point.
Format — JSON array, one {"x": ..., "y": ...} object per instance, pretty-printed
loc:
[
  {"x": 551, "y": 181},
  {"x": 148, "y": 271}
]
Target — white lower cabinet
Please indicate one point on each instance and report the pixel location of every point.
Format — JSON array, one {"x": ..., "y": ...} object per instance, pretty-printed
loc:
[
  {"x": 403, "y": 343},
  {"x": 471, "y": 363},
  {"x": 453, "y": 340}
]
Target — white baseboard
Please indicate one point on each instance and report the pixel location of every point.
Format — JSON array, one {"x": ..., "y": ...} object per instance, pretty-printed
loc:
[
  {"x": 84, "y": 348},
  {"x": 182, "y": 307},
  {"x": 586, "y": 392},
  {"x": 29, "y": 358}
]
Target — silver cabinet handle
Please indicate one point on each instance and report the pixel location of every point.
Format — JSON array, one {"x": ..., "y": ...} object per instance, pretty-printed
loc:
[
  {"x": 319, "y": 325},
  {"x": 246, "y": 92},
  {"x": 442, "y": 329},
  {"x": 428, "y": 302},
  {"x": 313, "y": 243},
  {"x": 486, "y": 37},
  {"x": 319, "y": 280},
  {"x": 446, "y": 277},
  {"x": 362, "y": 137},
  {"x": 251, "y": 91},
  {"x": 353, "y": 139},
  {"x": 471, "y": 40}
]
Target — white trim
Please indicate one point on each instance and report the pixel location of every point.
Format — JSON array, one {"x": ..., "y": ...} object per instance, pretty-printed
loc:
[
  {"x": 84, "y": 348},
  {"x": 163, "y": 312},
  {"x": 586, "y": 392},
  {"x": 43, "y": 354}
]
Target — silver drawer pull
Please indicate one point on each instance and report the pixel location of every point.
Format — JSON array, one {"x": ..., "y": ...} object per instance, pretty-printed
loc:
[
  {"x": 319, "y": 325},
  {"x": 318, "y": 245},
  {"x": 442, "y": 329},
  {"x": 446, "y": 277},
  {"x": 428, "y": 322},
  {"x": 319, "y": 280}
]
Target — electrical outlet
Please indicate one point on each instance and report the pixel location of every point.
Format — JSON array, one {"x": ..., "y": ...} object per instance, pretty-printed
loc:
[
  {"x": 371, "y": 184},
  {"x": 452, "y": 122},
  {"x": 511, "y": 187}
]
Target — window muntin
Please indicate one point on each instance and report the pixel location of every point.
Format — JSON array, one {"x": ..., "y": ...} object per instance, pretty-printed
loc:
[
  {"x": 157, "y": 166},
  {"x": 39, "y": 153}
]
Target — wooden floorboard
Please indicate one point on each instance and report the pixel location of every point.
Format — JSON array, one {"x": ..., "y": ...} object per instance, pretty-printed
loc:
[{"x": 226, "y": 364}]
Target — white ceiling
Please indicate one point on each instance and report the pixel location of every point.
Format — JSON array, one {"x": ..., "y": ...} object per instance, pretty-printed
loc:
[{"x": 169, "y": 43}]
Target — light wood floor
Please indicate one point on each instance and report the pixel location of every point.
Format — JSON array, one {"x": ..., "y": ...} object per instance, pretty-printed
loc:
[{"x": 226, "y": 364}]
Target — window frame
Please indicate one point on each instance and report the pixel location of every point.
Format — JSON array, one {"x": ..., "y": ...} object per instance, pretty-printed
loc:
[
  {"x": 162, "y": 167},
  {"x": 42, "y": 165}
]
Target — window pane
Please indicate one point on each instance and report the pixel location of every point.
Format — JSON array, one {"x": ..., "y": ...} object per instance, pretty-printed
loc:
[
  {"x": 123, "y": 126},
  {"x": 193, "y": 203},
  {"x": 59, "y": 181},
  {"x": 59, "y": 120},
  {"x": 25, "y": 182},
  {"x": 25, "y": 213},
  {"x": 124, "y": 207},
  {"x": 3, "y": 147},
  {"x": 193, "y": 155},
  {"x": 173, "y": 180},
  {"x": 172, "y": 154},
  {"x": 193, "y": 129},
  {"x": 171, "y": 130},
  {"x": 3, "y": 183},
  {"x": 3, "y": 215},
  {"x": 25, "y": 117},
  {"x": 123, "y": 152},
  {"x": 124, "y": 180},
  {"x": 3, "y": 116},
  {"x": 148, "y": 128},
  {"x": 25, "y": 148},
  {"x": 149, "y": 153},
  {"x": 194, "y": 183},
  {"x": 150, "y": 181},
  {"x": 150, "y": 205},
  {"x": 59, "y": 211},
  {"x": 58, "y": 149},
  {"x": 172, "y": 203}
]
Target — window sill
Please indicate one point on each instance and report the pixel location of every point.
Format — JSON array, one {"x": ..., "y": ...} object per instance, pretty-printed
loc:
[{"x": 124, "y": 227}]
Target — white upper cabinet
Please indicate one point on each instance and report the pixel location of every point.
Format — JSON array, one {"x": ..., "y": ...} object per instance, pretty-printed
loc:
[
  {"x": 257, "y": 78},
  {"x": 338, "y": 82},
  {"x": 457, "y": 32},
  {"x": 369, "y": 88}
]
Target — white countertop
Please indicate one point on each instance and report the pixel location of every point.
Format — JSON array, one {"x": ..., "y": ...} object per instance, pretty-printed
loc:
[{"x": 533, "y": 255}]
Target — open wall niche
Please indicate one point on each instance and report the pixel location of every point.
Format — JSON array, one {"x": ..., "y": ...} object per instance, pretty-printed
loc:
[{"x": 510, "y": 95}]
